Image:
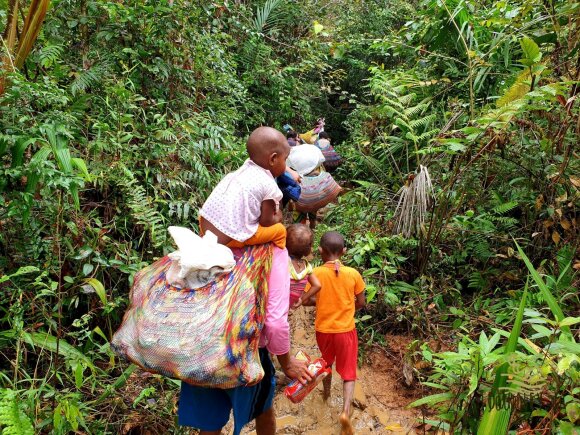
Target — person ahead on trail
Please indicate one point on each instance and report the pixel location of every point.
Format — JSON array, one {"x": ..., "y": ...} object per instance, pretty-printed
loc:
[
  {"x": 299, "y": 240},
  {"x": 242, "y": 210},
  {"x": 341, "y": 295},
  {"x": 318, "y": 188},
  {"x": 293, "y": 138},
  {"x": 332, "y": 159},
  {"x": 312, "y": 135}
]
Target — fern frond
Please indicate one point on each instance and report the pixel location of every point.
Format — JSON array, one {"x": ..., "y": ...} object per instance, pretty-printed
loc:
[
  {"x": 85, "y": 79},
  {"x": 143, "y": 209},
  {"x": 165, "y": 135},
  {"x": 481, "y": 249},
  {"x": 427, "y": 135},
  {"x": 505, "y": 207},
  {"x": 407, "y": 98},
  {"x": 517, "y": 90},
  {"x": 254, "y": 52},
  {"x": 416, "y": 110},
  {"x": 422, "y": 122},
  {"x": 13, "y": 419},
  {"x": 49, "y": 55},
  {"x": 507, "y": 223},
  {"x": 402, "y": 124},
  {"x": 392, "y": 103},
  {"x": 477, "y": 281}
]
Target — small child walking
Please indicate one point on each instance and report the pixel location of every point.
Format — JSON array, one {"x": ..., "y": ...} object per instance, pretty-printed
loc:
[
  {"x": 341, "y": 295},
  {"x": 299, "y": 240}
]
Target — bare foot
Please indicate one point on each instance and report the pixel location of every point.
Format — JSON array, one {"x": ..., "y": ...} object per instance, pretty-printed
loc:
[{"x": 345, "y": 424}]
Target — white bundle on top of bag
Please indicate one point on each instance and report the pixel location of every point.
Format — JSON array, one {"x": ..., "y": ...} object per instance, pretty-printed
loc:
[
  {"x": 199, "y": 259},
  {"x": 196, "y": 314}
]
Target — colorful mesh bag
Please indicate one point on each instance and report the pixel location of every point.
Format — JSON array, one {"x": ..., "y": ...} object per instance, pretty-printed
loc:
[{"x": 207, "y": 336}]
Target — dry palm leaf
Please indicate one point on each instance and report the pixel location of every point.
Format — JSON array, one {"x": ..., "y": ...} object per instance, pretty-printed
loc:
[{"x": 414, "y": 199}]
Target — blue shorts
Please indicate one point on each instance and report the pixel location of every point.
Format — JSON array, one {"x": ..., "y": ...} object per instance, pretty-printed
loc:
[{"x": 209, "y": 408}]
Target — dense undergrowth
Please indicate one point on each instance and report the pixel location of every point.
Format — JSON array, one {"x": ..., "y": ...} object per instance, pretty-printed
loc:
[{"x": 125, "y": 114}]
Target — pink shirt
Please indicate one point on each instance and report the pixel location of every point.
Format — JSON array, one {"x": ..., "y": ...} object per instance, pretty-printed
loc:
[
  {"x": 276, "y": 333},
  {"x": 234, "y": 206}
]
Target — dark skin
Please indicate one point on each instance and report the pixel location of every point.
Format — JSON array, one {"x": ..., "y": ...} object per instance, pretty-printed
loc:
[
  {"x": 269, "y": 149},
  {"x": 266, "y": 422},
  {"x": 308, "y": 296},
  {"x": 347, "y": 386}
]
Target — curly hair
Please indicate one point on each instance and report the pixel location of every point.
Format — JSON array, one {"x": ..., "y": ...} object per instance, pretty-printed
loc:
[{"x": 299, "y": 240}]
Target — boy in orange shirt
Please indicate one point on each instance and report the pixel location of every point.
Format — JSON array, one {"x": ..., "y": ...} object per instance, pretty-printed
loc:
[{"x": 342, "y": 293}]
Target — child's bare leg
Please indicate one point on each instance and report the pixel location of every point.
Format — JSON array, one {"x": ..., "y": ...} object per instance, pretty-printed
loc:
[
  {"x": 347, "y": 393},
  {"x": 326, "y": 383}
]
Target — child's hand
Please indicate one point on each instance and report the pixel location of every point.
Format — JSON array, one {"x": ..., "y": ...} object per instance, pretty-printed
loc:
[
  {"x": 297, "y": 304},
  {"x": 271, "y": 213}
]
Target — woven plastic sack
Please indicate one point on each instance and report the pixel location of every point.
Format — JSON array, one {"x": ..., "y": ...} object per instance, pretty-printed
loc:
[
  {"x": 317, "y": 191},
  {"x": 207, "y": 336}
]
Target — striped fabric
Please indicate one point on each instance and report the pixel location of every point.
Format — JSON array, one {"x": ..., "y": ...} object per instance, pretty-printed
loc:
[
  {"x": 332, "y": 158},
  {"x": 298, "y": 281},
  {"x": 207, "y": 336},
  {"x": 317, "y": 191}
]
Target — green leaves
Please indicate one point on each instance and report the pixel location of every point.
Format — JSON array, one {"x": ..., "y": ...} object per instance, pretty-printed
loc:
[
  {"x": 13, "y": 419},
  {"x": 546, "y": 294},
  {"x": 495, "y": 421},
  {"x": 432, "y": 399},
  {"x": 53, "y": 344},
  {"x": 531, "y": 51},
  {"x": 317, "y": 27},
  {"x": 58, "y": 146},
  {"x": 99, "y": 289}
]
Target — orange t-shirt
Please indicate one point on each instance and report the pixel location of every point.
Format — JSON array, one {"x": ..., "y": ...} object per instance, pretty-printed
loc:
[{"x": 335, "y": 302}]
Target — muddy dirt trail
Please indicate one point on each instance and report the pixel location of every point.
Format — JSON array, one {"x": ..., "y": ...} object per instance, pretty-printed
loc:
[{"x": 380, "y": 397}]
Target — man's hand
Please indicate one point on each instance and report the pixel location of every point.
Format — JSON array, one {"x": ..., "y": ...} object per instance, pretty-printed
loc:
[{"x": 295, "y": 369}]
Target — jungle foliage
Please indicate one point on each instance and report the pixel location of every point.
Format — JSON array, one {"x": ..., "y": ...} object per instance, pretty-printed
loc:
[{"x": 118, "y": 117}]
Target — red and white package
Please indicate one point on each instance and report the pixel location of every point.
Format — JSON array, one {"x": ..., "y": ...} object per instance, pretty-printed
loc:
[{"x": 296, "y": 391}]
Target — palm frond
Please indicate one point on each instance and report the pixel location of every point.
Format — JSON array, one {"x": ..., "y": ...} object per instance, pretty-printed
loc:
[{"x": 267, "y": 16}]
